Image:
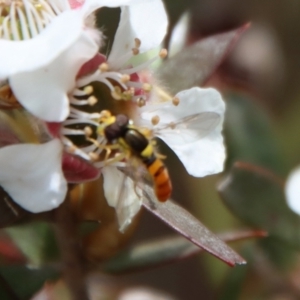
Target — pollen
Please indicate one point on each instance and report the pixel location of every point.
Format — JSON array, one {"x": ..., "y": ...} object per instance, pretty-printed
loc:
[
  {"x": 155, "y": 120},
  {"x": 175, "y": 101}
]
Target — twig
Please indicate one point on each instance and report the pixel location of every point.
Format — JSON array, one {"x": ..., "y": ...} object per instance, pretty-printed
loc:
[{"x": 73, "y": 262}]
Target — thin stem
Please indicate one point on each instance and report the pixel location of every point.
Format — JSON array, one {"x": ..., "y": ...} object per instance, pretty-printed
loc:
[{"x": 69, "y": 244}]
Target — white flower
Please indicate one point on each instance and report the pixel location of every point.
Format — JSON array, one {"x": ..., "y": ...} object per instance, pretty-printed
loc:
[
  {"x": 41, "y": 61},
  {"x": 196, "y": 139},
  {"x": 191, "y": 125},
  {"x": 292, "y": 190},
  {"x": 33, "y": 176}
]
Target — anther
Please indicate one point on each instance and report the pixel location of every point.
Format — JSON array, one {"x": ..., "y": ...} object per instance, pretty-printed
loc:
[
  {"x": 175, "y": 101},
  {"x": 163, "y": 53},
  {"x": 147, "y": 87},
  {"x": 135, "y": 51},
  {"x": 38, "y": 6},
  {"x": 141, "y": 102},
  {"x": 92, "y": 100},
  {"x": 155, "y": 120},
  {"x": 172, "y": 125},
  {"x": 125, "y": 78},
  {"x": 88, "y": 131},
  {"x": 117, "y": 93},
  {"x": 128, "y": 94},
  {"x": 104, "y": 67},
  {"x": 72, "y": 149},
  {"x": 94, "y": 156},
  {"x": 88, "y": 89},
  {"x": 137, "y": 43}
]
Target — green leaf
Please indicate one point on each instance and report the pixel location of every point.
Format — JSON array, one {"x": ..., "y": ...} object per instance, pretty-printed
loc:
[
  {"x": 249, "y": 135},
  {"x": 23, "y": 281},
  {"x": 256, "y": 196},
  {"x": 196, "y": 63},
  {"x": 36, "y": 241}
]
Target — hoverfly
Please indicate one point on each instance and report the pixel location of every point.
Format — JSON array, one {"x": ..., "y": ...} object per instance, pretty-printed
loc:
[
  {"x": 131, "y": 140},
  {"x": 131, "y": 159}
]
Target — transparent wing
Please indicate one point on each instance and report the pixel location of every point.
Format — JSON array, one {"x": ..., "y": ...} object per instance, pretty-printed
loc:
[{"x": 190, "y": 128}]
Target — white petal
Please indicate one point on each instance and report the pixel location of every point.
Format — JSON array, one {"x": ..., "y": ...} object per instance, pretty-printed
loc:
[
  {"x": 292, "y": 191},
  {"x": 193, "y": 101},
  {"x": 179, "y": 34},
  {"x": 32, "y": 175},
  {"x": 145, "y": 20},
  {"x": 197, "y": 141},
  {"x": 203, "y": 157},
  {"x": 42, "y": 70},
  {"x": 120, "y": 193}
]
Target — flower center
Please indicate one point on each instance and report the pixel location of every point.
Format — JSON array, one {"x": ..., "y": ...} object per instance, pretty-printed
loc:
[{"x": 24, "y": 19}]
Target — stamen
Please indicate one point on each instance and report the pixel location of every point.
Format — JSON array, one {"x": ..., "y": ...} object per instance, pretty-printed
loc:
[
  {"x": 70, "y": 131},
  {"x": 141, "y": 102},
  {"x": 155, "y": 120},
  {"x": 175, "y": 101},
  {"x": 94, "y": 156},
  {"x": 104, "y": 67},
  {"x": 88, "y": 131},
  {"x": 140, "y": 67},
  {"x": 125, "y": 78},
  {"x": 30, "y": 20},
  {"x": 137, "y": 43},
  {"x": 13, "y": 22},
  {"x": 81, "y": 121},
  {"x": 135, "y": 51},
  {"x": 77, "y": 114},
  {"x": 105, "y": 113},
  {"x": 163, "y": 53},
  {"x": 147, "y": 87},
  {"x": 88, "y": 89},
  {"x": 172, "y": 125},
  {"x": 24, "y": 19},
  {"x": 24, "y": 28},
  {"x": 71, "y": 148},
  {"x": 92, "y": 100},
  {"x": 117, "y": 93}
]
